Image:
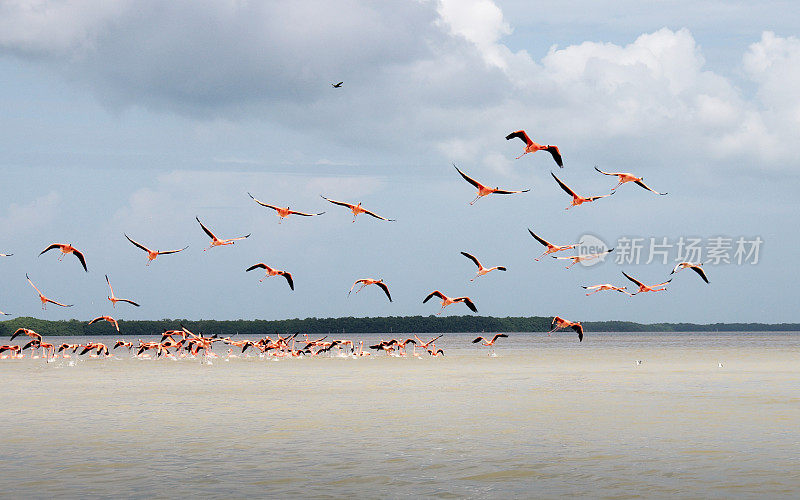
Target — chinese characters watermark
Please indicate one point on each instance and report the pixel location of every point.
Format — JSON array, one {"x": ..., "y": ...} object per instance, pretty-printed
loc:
[{"x": 715, "y": 250}]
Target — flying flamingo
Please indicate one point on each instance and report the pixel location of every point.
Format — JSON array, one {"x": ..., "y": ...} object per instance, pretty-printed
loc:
[
  {"x": 600, "y": 288},
  {"x": 483, "y": 190},
  {"x": 94, "y": 346},
  {"x": 558, "y": 323},
  {"x": 272, "y": 272},
  {"x": 433, "y": 351},
  {"x": 4, "y": 313},
  {"x": 66, "y": 249},
  {"x": 122, "y": 343},
  {"x": 105, "y": 318},
  {"x": 645, "y": 288},
  {"x": 576, "y": 199},
  {"x": 152, "y": 254},
  {"x": 368, "y": 281},
  {"x": 357, "y": 209},
  {"x": 425, "y": 345},
  {"x": 488, "y": 342},
  {"x": 481, "y": 270},
  {"x": 14, "y": 349},
  {"x": 44, "y": 299},
  {"x": 337, "y": 85},
  {"x": 625, "y": 177},
  {"x": 580, "y": 258},
  {"x": 446, "y": 301},
  {"x": 26, "y": 331},
  {"x": 47, "y": 349},
  {"x": 114, "y": 299},
  {"x": 532, "y": 147},
  {"x": 6, "y": 254},
  {"x": 282, "y": 212},
  {"x": 694, "y": 267},
  {"x": 551, "y": 248},
  {"x": 215, "y": 242}
]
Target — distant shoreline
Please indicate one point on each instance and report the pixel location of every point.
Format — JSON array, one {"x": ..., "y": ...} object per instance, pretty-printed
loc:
[{"x": 351, "y": 325}]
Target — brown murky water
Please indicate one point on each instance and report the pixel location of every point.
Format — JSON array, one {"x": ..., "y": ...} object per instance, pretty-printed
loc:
[{"x": 546, "y": 417}]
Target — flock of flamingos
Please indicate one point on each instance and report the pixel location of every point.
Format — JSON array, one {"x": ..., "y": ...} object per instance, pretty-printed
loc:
[{"x": 184, "y": 343}]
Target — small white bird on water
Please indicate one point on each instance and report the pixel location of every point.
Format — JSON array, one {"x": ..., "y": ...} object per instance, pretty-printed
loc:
[
  {"x": 719, "y": 365},
  {"x": 638, "y": 362}
]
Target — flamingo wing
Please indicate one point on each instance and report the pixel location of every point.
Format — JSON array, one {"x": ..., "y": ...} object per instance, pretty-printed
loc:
[
  {"x": 208, "y": 232},
  {"x": 478, "y": 340},
  {"x": 128, "y": 301},
  {"x": 377, "y": 216},
  {"x": 593, "y": 198},
  {"x": 661, "y": 284},
  {"x": 563, "y": 186},
  {"x": 699, "y": 270},
  {"x": 472, "y": 258},
  {"x": 642, "y": 184},
  {"x": 634, "y": 280},
  {"x": 262, "y": 203},
  {"x": 294, "y": 212},
  {"x": 469, "y": 179},
  {"x": 385, "y": 290},
  {"x": 31, "y": 282},
  {"x": 498, "y": 336},
  {"x": 468, "y": 302},
  {"x": 505, "y": 191},
  {"x": 52, "y": 246},
  {"x": 540, "y": 240},
  {"x": 99, "y": 318},
  {"x": 605, "y": 173},
  {"x": 260, "y": 265},
  {"x": 342, "y": 203},
  {"x": 167, "y": 252},
  {"x": 239, "y": 238},
  {"x": 595, "y": 255},
  {"x": 435, "y": 293},
  {"x": 137, "y": 244},
  {"x": 579, "y": 330},
  {"x": 288, "y": 277},
  {"x": 81, "y": 258},
  {"x": 522, "y": 135},
  {"x": 553, "y": 150}
]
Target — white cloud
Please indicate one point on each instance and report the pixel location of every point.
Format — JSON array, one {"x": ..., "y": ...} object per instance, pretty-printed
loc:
[
  {"x": 31, "y": 217},
  {"x": 419, "y": 77},
  {"x": 479, "y": 21},
  {"x": 48, "y": 27}
]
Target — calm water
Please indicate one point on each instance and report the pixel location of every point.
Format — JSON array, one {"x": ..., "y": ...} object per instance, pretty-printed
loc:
[{"x": 546, "y": 417}]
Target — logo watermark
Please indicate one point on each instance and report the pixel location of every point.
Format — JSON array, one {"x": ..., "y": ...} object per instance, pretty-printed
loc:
[{"x": 594, "y": 248}]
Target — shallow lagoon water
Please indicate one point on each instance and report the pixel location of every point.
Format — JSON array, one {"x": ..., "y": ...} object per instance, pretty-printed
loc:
[{"x": 546, "y": 417}]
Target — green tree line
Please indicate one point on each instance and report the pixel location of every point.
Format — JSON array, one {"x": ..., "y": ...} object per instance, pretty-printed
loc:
[{"x": 351, "y": 325}]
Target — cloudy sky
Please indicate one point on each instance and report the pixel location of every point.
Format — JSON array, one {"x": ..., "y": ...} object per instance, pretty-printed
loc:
[{"x": 122, "y": 116}]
